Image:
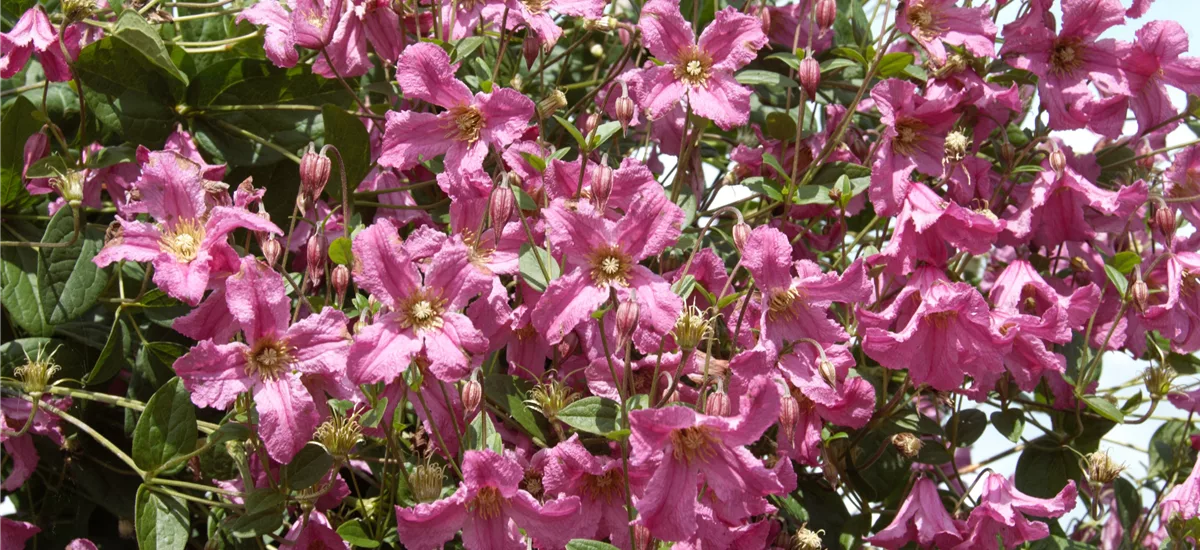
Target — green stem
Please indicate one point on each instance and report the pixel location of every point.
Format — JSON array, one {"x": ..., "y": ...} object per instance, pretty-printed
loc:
[{"x": 95, "y": 435}]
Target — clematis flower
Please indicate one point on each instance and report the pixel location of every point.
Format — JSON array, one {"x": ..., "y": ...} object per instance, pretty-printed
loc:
[
  {"x": 270, "y": 362},
  {"x": 488, "y": 508},
  {"x": 1183, "y": 181},
  {"x": 187, "y": 244},
  {"x": 629, "y": 180},
  {"x": 14, "y": 414},
  {"x": 464, "y": 130},
  {"x": 922, "y": 518},
  {"x": 535, "y": 15},
  {"x": 797, "y": 306},
  {"x": 913, "y": 140},
  {"x": 1000, "y": 514},
  {"x": 948, "y": 336},
  {"x": 14, "y": 534},
  {"x": 1057, "y": 208},
  {"x": 34, "y": 34},
  {"x": 1184, "y": 499},
  {"x": 692, "y": 447},
  {"x": 599, "y": 482},
  {"x": 424, "y": 315},
  {"x": 699, "y": 71},
  {"x": 1065, "y": 61},
  {"x": 784, "y": 21},
  {"x": 279, "y": 39},
  {"x": 365, "y": 21},
  {"x": 604, "y": 256},
  {"x": 1021, "y": 289},
  {"x": 934, "y": 23},
  {"x": 1155, "y": 61},
  {"x": 929, "y": 229},
  {"x": 314, "y": 532}
]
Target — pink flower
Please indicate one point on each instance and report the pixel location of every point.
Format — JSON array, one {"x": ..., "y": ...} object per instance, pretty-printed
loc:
[
  {"x": 464, "y": 130},
  {"x": 1066, "y": 61},
  {"x": 603, "y": 257},
  {"x": 922, "y": 518},
  {"x": 797, "y": 306},
  {"x": 929, "y": 229},
  {"x": 1184, "y": 499},
  {"x": 35, "y": 35},
  {"x": 914, "y": 140},
  {"x": 1183, "y": 180},
  {"x": 365, "y": 21},
  {"x": 314, "y": 533},
  {"x": 536, "y": 15},
  {"x": 692, "y": 447},
  {"x": 948, "y": 337},
  {"x": 81, "y": 544},
  {"x": 424, "y": 317},
  {"x": 14, "y": 534},
  {"x": 1057, "y": 208},
  {"x": 279, "y": 39},
  {"x": 934, "y": 22},
  {"x": 14, "y": 414},
  {"x": 599, "y": 482},
  {"x": 1156, "y": 60},
  {"x": 701, "y": 72},
  {"x": 489, "y": 508},
  {"x": 271, "y": 361},
  {"x": 310, "y": 24},
  {"x": 1000, "y": 515}
]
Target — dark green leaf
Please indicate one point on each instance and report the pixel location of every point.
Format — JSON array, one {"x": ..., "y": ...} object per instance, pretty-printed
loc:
[
  {"x": 69, "y": 280},
  {"x": 1125, "y": 261},
  {"x": 894, "y": 63},
  {"x": 508, "y": 393},
  {"x": 571, "y": 129},
  {"x": 114, "y": 355},
  {"x": 1129, "y": 502},
  {"x": 466, "y": 46},
  {"x": 1105, "y": 408},
  {"x": 1045, "y": 466},
  {"x": 53, "y": 166},
  {"x": 139, "y": 36},
  {"x": 21, "y": 295},
  {"x": 1170, "y": 451},
  {"x": 346, "y": 132},
  {"x": 353, "y": 532},
  {"x": 781, "y": 125},
  {"x": 582, "y": 544},
  {"x": 167, "y": 427},
  {"x": 308, "y": 467},
  {"x": 1010, "y": 423},
  {"x": 596, "y": 415},
  {"x": 933, "y": 453},
  {"x": 16, "y": 125},
  {"x": 230, "y": 431},
  {"x": 684, "y": 287},
  {"x": 603, "y": 132},
  {"x": 162, "y": 521},
  {"x": 264, "y": 514},
  {"x": 965, "y": 427}
]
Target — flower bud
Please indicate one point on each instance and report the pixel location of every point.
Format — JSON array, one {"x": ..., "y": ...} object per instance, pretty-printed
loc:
[
  {"x": 764, "y": 18},
  {"x": 1158, "y": 380},
  {"x": 717, "y": 404},
  {"x": 602, "y": 185},
  {"x": 530, "y": 48},
  {"x": 596, "y": 50},
  {"x": 1080, "y": 265},
  {"x": 741, "y": 233},
  {"x": 500, "y": 207},
  {"x": 315, "y": 254},
  {"x": 789, "y": 412},
  {"x": 828, "y": 372},
  {"x": 302, "y": 203},
  {"x": 1101, "y": 469},
  {"x": 588, "y": 122},
  {"x": 907, "y": 444},
  {"x": 472, "y": 394},
  {"x": 1058, "y": 161},
  {"x": 425, "y": 480},
  {"x": 627, "y": 319},
  {"x": 271, "y": 251},
  {"x": 826, "y": 14},
  {"x": 624, "y": 107},
  {"x": 1164, "y": 221},
  {"x": 1139, "y": 294},
  {"x": 810, "y": 76},
  {"x": 314, "y": 172},
  {"x": 806, "y": 539},
  {"x": 606, "y": 23},
  {"x": 551, "y": 104},
  {"x": 77, "y": 10},
  {"x": 341, "y": 281},
  {"x": 642, "y": 539},
  {"x": 568, "y": 344}
]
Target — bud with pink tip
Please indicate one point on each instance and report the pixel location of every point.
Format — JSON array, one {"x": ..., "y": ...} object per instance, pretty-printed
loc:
[
  {"x": 717, "y": 404},
  {"x": 1139, "y": 294},
  {"x": 642, "y": 539},
  {"x": 810, "y": 76},
  {"x": 500, "y": 207},
  {"x": 315, "y": 250},
  {"x": 1164, "y": 220},
  {"x": 341, "y": 281},
  {"x": 530, "y": 48},
  {"x": 764, "y": 18},
  {"x": 627, "y": 319},
  {"x": 741, "y": 233},
  {"x": 826, "y": 14},
  {"x": 314, "y": 172},
  {"x": 602, "y": 186},
  {"x": 789, "y": 412},
  {"x": 624, "y": 107},
  {"x": 1058, "y": 161},
  {"x": 588, "y": 122},
  {"x": 472, "y": 394},
  {"x": 271, "y": 251},
  {"x": 567, "y": 346}
]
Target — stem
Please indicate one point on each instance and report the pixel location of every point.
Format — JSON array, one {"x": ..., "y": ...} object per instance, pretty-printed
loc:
[
  {"x": 95, "y": 435},
  {"x": 74, "y": 206},
  {"x": 624, "y": 418},
  {"x": 255, "y": 138}
]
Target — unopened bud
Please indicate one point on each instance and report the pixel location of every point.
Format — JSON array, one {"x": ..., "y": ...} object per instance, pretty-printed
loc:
[
  {"x": 1164, "y": 221},
  {"x": 603, "y": 185},
  {"x": 624, "y": 107},
  {"x": 789, "y": 412},
  {"x": 341, "y": 281},
  {"x": 1139, "y": 294},
  {"x": 302, "y": 203},
  {"x": 1058, "y": 161},
  {"x": 627, "y": 319},
  {"x": 826, "y": 14},
  {"x": 606, "y": 23},
  {"x": 551, "y": 104},
  {"x": 314, "y": 172},
  {"x": 588, "y": 122},
  {"x": 810, "y": 76},
  {"x": 568, "y": 344},
  {"x": 425, "y": 480},
  {"x": 530, "y": 48},
  {"x": 907, "y": 444},
  {"x": 1101, "y": 468},
  {"x": 1158, "y": 380},
  {"x": 472, "y": 394},
  {"x": 315, "y": 254},
  {"x": 807, "y": 539},
  {"x": 741, "y": 234},
  {"x": 500, "y": 207},
  {"x": 271, "y": 251},
  {"x": 596, "y": 50},
  {"x": 717, "y": 404},
  {"x": 764, "y": 18},
  {"x": 1080, "y": 265}
]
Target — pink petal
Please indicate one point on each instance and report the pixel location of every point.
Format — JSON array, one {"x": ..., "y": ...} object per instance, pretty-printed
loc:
[
  {"x": 287, "y": 415},
  {"x": 568, "y": 301},
  {"x": 214, "y": 374},
  {"x": 430, "y": 525},
  {"x": 722, "y": 100},
  {"x": 664, "y": 31},
  {"x": 411, "y": 138},
  {"x": 381, "y": 352},
  {"x": 258, "y": 300},
  {"x": 424, "y": 72},
  {"x": 384, "y": 267},
  {"x": 732, "y": 39},
  {"x": 320, "y": 343},
  {"x": 507, "y": 112}
]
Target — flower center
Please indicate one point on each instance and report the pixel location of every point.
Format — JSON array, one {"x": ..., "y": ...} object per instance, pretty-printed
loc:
[
  {"x": 941, "y": 319},
  {"x": 1067, "y": 56},
  {"x": 467, "y": 123},
  {"x": 534, "y": 6},
  {"x": 909, "y": 135},
  {"x": 780, "y": 302},
  {"x": 923, "y": 23},
  {"x": 604, "y": 487},
  {"x": 422, "y": 311},
  {"x": 694, "y": 66},
  {"x": 183, "y": 242},
  {"x": 610, "y": 266},
  {"x": 486, "y": 504},
  {"x": 268, "y": 358},
  {"x": 1191, "y": 283},
  {"x": 478, "y": 252},
  {"x": 697, "y": 442}
]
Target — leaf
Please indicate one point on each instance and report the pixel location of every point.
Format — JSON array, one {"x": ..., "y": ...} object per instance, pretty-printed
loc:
[
  {"x": 781, "y": 125},
  {"x": 763, "y": 187},
  {"x": 113, "y": 357},
  {"x": 1105, "y": 408},
  {"x": 582, "y": 544},
  {"x": 684, "y": 286},
  {"x": 70, "y": 282},
  {"x": 773, "y": 162},
  {"x": 1125, "y": 261},
  {"x": 340, "y": 252},
  {"x": 466, "y": 47},
  {"x": 757, "y": 77},
  {"x": 480, "y": 432},
  {"x": 230, "y": 431},
  {"x": 965, "y": 427},
  {"x": 1129, "y": 502},
  {"x": 346, "y": 132},
  {"x": 166, "y": 429},
  {"x": 111, "y": 156},
  {"x": 162, "y": 521},
  {"x": 352, "y": 531},
  {"x": 1045, "y": 467},
  {"x": 52, "y": 166},
  {"x": 851, "y": 54},
  {"x": 1010, "y": 423},
  {"x": 933, "y": 454},
  {"x": 1165, "y": 446},
  {"x": 894, "y": 63},
  {"x": 571, "y": 129},
  {"x": 264, "y": 514},
  {"x": 20, "y": 293},
  {"x": 538, "y": 163},
  {"x": 603, "y": 132},
  {"x": 1116, "y": 278},
  {"x": 789, "y": 59},
  {"x": 16, "y": 125},
  {"x": 139, "y": 36},
  {"x": 308, "y": 467},
  {"x": 130, "y": 94},
  {"x": 508, "y": 392},
  {"x": 531, "y": 271},
  {"x": 596, "y": 415}
]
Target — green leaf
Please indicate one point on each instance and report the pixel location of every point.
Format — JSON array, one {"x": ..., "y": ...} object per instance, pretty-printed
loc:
[
  {"x": 789, "y": 59},
  {"x": 756, "y": 77},
  {"x": 346, "y": 132},
  {"x": 308, "y": 467},
  {"x": 965, "y": 427},
  {"x": 933, "y": 454},
  {"x": 1116, "y": 278},
  {"x": 773, "y": 162},
  {"x": 69, "y": 280},
  {"x": 1166, "y": 445},
  {"x": 1010, "y": 423},
  {"x": 20, "y": 293},
  {"x": 571, "y": 129},
  {"x": 230, "y": 431},
  {"x": 52, "y": 166},
  {"x": 16, "y": 125},
  {"x": 596, "y": 415},
  {"x": 765, "y": 187},
  {"x": 603, "y": 132},
  {"x": 139, "y": 36},
  {"x": 1105, "y": 408},
  {"x": 340, "y": 251},
  {"x": 353, "y": 532},
  {"x": 728, "y": 299},
  {"x": 781, "y": 125},
  {"x": 129, "y": 93},
  {"x": 480, "y": 427},
  {"x": 264, "y": 514},
  {"x": 1129, "y": 502},
  {"x": 684, "y": 286},
  {"x": 111, "y": 156},
  {"x": 538, "y": 163},
  {"x": 894, "y": 63},
  {"x": 531, "y": 271},
  {"x": 508, "y": 392},
  {"x": 466, "y": 47},
  {"x": 851, "y": 54},
  {"x": 162, "y": 521},
  {"x": 167, "y": 427},
  {"x": 1045, "y": 466},
  {"x": 113, "y": 357},
  {"x": 1125, "y": 261},
  {"x": 582, "y": 544}
]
